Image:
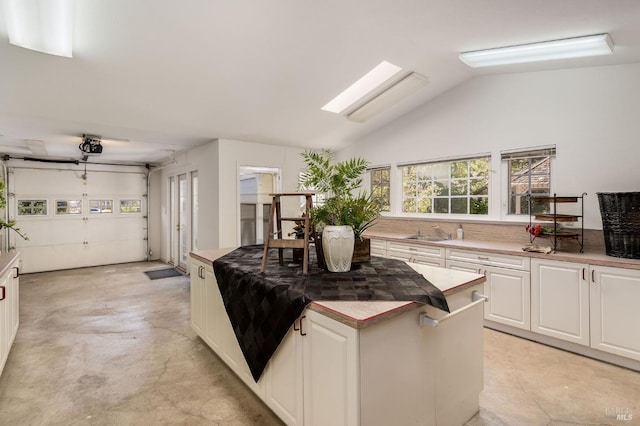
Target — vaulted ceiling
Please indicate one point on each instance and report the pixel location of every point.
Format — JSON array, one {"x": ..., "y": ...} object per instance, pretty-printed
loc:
[{"x": 160, "y": 76}]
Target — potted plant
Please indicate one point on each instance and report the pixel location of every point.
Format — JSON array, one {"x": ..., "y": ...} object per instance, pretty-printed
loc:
[{"x": 341, "y": 217}]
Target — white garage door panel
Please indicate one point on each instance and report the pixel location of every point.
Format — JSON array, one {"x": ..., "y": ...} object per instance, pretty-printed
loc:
[
  {"x": 115, "y": 229},
  {"x": 39, "y": 181},
  {"x": 127, "y": 183},
  {"x": 63, "y": 241}
]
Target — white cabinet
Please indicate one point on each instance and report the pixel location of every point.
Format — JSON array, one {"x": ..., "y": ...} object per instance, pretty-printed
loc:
[
  {"x": 9, "y": 308},
  {"x": 560, "y": 300},
  {"x": 416, "y": 253},
  {"x": 508, "y": 284},
  {"x": 284, "y": 379},
  {"x": 378, "y": 248},
  {"x": 197, "y": 296},
  {"x": 331, "y": 372},
  {"x": 210, "y": 321},
  {"x": 615, "y": 317}
]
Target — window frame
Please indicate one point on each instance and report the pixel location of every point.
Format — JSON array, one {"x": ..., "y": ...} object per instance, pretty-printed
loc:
[
  {"x": 67, "y": 212},
  {"x": 46, "y": 207},
  {"x": 527, "y": 154},
  {"x": 437, "y": 174},
  {"x": 372, "y": 185}
]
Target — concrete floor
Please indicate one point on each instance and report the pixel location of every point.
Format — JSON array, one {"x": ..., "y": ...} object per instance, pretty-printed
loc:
[{"x": 108, "y": 346}]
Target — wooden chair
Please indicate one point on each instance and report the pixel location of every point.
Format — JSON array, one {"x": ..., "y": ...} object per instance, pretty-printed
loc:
[{"x": 277, "y": 240}]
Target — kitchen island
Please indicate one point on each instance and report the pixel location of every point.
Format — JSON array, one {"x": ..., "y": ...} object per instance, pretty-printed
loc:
[{"x": 361, "y": 362}]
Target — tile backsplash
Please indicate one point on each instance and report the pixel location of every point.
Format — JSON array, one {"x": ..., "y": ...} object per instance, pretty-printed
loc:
[{"x": 515, "y": 233}]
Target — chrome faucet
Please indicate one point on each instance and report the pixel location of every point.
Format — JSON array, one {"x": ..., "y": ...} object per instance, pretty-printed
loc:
[{"x": 437, "y": 228}]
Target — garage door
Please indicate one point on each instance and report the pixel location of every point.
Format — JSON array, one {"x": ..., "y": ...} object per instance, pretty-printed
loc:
[{"x": 77, "y": 218}]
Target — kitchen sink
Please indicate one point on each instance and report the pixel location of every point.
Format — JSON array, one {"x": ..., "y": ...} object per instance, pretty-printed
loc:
[{"x": 425, "y": 238}]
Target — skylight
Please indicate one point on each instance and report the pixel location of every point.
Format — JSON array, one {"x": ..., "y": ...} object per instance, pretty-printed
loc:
[{"x": 371, "y": 81}]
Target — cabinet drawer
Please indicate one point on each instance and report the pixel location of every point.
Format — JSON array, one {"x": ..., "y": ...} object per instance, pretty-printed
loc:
[
  {"x": 378, "y": 248},
  {"x": 414, "y": 249},
  {"x": 490, "y": 259}
]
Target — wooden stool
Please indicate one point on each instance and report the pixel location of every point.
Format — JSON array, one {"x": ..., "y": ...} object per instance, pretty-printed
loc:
[{"x": 277, "y": 240}]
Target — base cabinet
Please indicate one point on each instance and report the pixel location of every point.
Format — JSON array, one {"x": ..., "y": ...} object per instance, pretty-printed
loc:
[
  {"x": 615, "y": 317},
  {"x": 560, "y": 300},
  {"x": 327, "y": 373},
  {"x": 9, "y": 307},
  {"x": 507, "y": 286}
]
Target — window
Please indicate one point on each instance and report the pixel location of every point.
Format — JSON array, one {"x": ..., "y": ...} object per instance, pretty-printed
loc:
[
  {"x": 380, "y": 188},
  {"x": 100, "y": 206},
  {"x": 529, "y": 173},
  {"x": 32, "y": 207},
  {"x": 130, "y": 206},
  {"x": 68, "y": 206},
  {"x": 447, "y": 187}
]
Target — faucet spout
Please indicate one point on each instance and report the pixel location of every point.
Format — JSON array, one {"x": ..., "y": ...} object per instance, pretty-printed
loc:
[{"x": 448, "y": 235}]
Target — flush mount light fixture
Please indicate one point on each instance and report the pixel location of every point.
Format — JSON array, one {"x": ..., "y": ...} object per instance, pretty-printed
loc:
[
  {"x": 371, "y": 81},
  {"x": 42, "y": 25},
  {"x": 593, "y": 45}
]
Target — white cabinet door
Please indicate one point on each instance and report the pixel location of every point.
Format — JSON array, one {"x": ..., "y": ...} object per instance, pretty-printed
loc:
[
  {"x": 560, "y": 300},
  {"x": 9, "y": 316},
  {"x": 508, "y": 291},
  {"x": 197, "y": 279},
  {"x": 213, "y": 311},
  {"x": 330, "y": 356},
  {"x": 509, "y": 297},
  {"x": 284, "y": 379},
  {"x": 615, "y": 317}
]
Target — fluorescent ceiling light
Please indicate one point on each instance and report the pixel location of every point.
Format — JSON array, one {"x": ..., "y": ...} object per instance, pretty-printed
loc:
[
  {"x": 371, "y": 81},
  {"x": 42, "y": 25},
  {"x": 408, "y": 85},
  {"x": 577, "y": 47}
]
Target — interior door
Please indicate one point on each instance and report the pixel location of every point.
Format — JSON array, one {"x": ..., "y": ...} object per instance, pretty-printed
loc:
[{"x": 183, "y": 223}]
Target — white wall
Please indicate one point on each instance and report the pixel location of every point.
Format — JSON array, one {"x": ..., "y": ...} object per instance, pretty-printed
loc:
[
  {"x": 233, "y": 155},
  {"x": 590, "y": 114},
  {"x": 217, "y": 164}
]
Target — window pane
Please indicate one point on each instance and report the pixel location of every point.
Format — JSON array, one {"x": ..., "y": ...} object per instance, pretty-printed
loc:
[
  {"x": 479, "y": 205},
  {"x": 441, "y": 188},
  {"x": 68, "y": 206},
  {"x": 425, "y": 205},
  {"x": 100, "y": 206},
  {"x": 32, "y": 207},
  {"x": 459, "y": 205},
  {"x": 130, "y": 206},
  {"x": 530, "y": 175},
  {"x": 441, "y": 205},
  {"x": 459, "y": 187},
  {"x": 479, "y": 186},
  {"x": 409, "y": 205},
  {"x": 479, "y": 167},
  {"x": 380, "y": 188},
  {"x": 459, "y": 169}
]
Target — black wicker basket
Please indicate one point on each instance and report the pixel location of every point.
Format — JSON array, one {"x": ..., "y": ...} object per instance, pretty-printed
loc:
[{"x": 620, "y": 213}]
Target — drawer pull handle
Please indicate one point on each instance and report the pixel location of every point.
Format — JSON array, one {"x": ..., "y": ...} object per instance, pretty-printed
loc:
[
  {"x": 483, "y": 258},
  {"x": 17, "y": 268},
  {"x": 4, "y": 292}
]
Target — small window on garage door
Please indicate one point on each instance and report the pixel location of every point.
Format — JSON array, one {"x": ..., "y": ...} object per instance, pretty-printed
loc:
[
  {"x": 130, "y": 206},
  {"x": 32, "y": 207},
  {"x": 100, "y": 206},
  {"x": 68, "y": 206}
]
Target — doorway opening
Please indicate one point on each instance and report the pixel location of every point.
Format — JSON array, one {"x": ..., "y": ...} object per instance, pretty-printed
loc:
[{"x": 256, "y": 183}]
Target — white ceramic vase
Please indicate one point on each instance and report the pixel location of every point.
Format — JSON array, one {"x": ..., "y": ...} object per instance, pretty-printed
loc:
[{"x": 337, "y": 244}]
